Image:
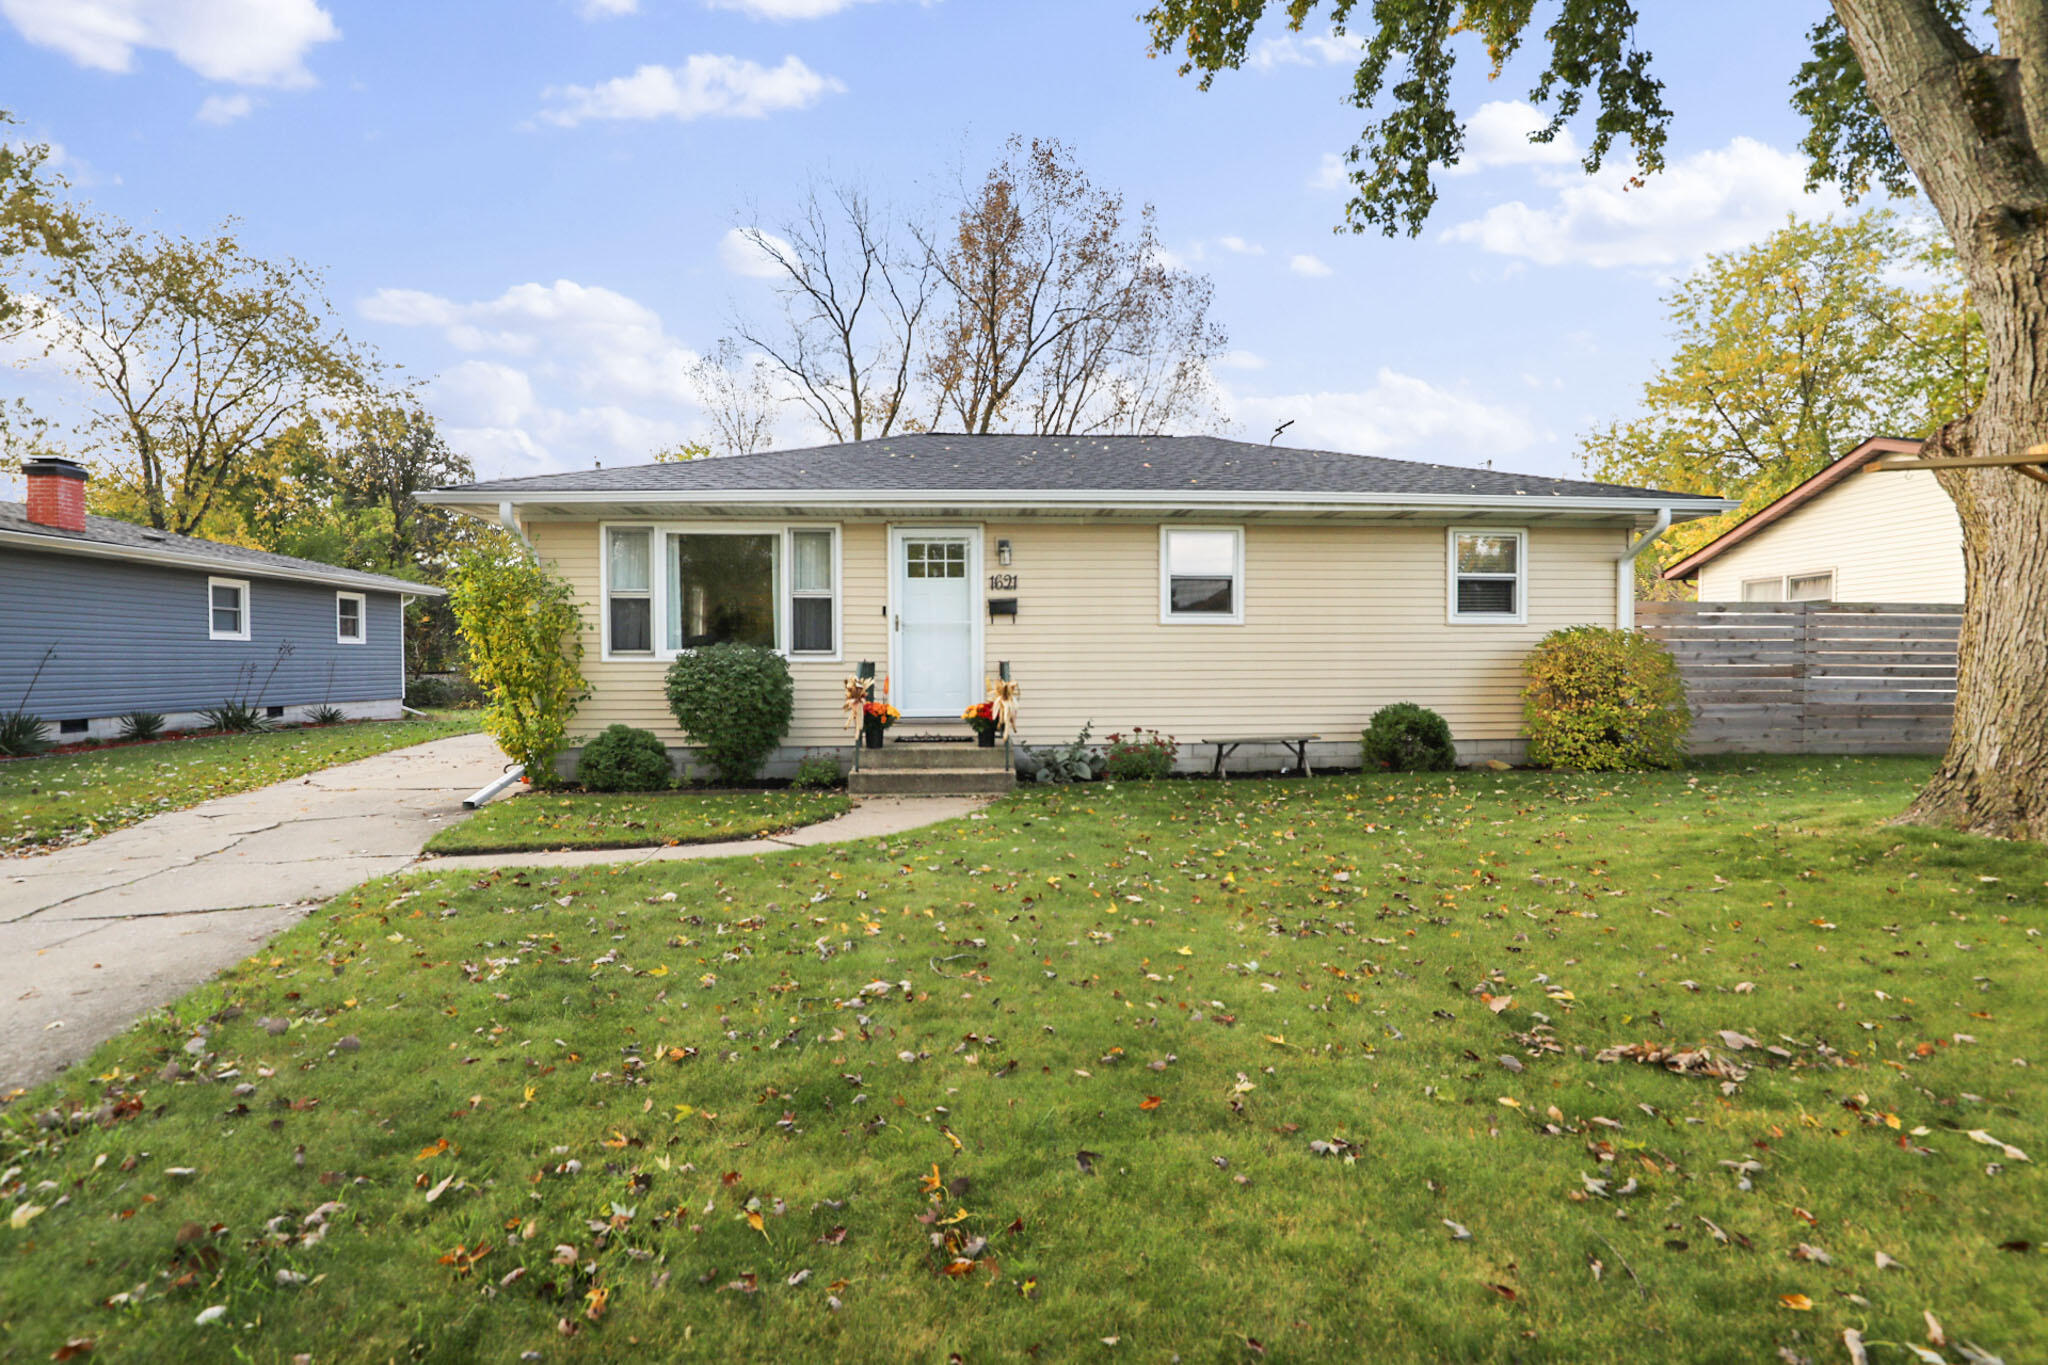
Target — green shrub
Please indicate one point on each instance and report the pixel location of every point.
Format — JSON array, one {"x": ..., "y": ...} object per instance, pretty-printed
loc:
[
  {"x": 523, "y": 633},
  {"x": 1075, "y": 762},
  {"x": 141, "y": 725},
  {"x": 326, "y": 715},
  {"x": 1604, "y": 700},
  {"x": 1409, "y": 739},
  {"x": 623, "y": 759},
  {"x": 1140, "y": 756},
  {"x": 442, "y": 694},
  {"x": 21, "y": 734},
  {"x": 236, "y": 718},
  {"x": 734, "y": 702},
  {"x": 818, "y": 772}
]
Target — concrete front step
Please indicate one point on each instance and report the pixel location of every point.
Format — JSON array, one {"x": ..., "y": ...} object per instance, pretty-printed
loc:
[
  {"x": 931, "y": 781},
  {"x": 892, "y": 757}
]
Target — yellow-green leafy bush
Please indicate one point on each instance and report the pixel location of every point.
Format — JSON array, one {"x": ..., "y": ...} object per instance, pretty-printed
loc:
[{"x": 1604, "y": 700}]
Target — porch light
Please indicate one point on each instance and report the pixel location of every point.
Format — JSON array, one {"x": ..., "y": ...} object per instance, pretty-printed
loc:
[{"x": 1003, "y": 553}]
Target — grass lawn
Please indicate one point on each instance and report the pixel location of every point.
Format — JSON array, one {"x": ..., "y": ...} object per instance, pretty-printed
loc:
[
  {"x": 558, "y": 820},
  {"x": 1294, "y": 1070},
  {"x": 70, "y": 798}
]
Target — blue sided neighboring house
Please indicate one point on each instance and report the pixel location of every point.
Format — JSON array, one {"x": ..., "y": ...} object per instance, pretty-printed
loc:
[{"x": 100, "y": 618}]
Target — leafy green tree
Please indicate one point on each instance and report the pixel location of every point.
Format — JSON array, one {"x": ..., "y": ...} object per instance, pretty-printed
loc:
[
  {"x": 524, "y": 635},
  {"x": 1895, "y": 92},
  {"x": 35, "y": 222},
  {"x": 196, "y": 353},
  {"x": 1790, "y": 351}
]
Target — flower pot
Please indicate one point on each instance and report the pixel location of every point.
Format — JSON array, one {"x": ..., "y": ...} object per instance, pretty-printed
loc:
[
  {"x": 871, "y": 731},
  {"x": 986, "y": 738}
]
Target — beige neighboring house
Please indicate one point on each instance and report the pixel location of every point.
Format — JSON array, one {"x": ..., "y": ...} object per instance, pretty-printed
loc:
[
  {"x": 1204, "y": 587},
  {"x": 1848, "y": 534}
]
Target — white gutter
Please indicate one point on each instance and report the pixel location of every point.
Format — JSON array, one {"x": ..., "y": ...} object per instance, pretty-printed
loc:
[
  {"x": 1625, "y": 570},
  {"x": 209, "y": 564},
  {"x": 1082, "y": 500}
]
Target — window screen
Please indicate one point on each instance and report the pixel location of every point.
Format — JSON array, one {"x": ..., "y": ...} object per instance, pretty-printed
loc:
[{"x": 1201, "y": 573}]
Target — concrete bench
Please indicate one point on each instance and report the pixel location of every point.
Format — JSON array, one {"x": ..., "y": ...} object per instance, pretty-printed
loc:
[{"x": 1298, "y": 743}]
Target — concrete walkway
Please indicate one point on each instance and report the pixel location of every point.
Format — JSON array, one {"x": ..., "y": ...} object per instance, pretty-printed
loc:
[
  {"x": 872, "y": 817},
  {"x": 94, "y": 936}
]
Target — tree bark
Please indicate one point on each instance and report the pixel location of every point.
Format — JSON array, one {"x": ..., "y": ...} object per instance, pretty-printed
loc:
[{"x": 1960, "y": 118}]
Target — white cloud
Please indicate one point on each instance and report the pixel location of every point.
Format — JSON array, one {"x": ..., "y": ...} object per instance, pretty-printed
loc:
[
  {"x": 1400, "y": 416},
  {"x": 1498, "y": 135},
  {"x": 221, "y": 110},
  {"x": 754, "y": 253},
  {"x": 1240, "y": 360},
  {"x": 243, "y": 42},
  {"x": 607, "y": 9},
  {"x": 1311, "y": 266},
  {"x": 552, "y": 375},
  {"x": 1239, "y": 246},
  {"x": 706, "y": 85},
  {"x": 1709, "y": 201},
  {"x": 1330, "y": 174},
  {"x": 1300, "y": 49}
]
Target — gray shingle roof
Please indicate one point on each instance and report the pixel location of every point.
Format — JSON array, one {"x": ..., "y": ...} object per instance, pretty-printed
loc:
[
  {"x": 139, "y": 542},
  {"x": 1012, "y": 465}
]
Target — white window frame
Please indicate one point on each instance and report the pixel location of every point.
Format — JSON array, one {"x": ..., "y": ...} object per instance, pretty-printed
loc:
[
  {"x": 658, "y": 583},
  {"x": 1776, "y": 581},
  {"x": 1828, "y": 574},
  {"x": 241, "y": 586},
  {"x": 362, "y": 601},
  {"x": 1520, "y": 615},
  {"x": 1167, "y": 615}
]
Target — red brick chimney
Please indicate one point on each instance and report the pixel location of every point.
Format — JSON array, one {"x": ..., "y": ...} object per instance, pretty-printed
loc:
[{"x": 56, "y": 492}]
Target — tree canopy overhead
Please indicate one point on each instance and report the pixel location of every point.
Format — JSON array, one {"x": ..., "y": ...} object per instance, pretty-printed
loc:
[{"x": 1894, "y": 92}]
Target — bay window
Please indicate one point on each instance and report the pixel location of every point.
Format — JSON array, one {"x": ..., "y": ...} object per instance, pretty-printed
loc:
[{"x": 669, "y": 589}]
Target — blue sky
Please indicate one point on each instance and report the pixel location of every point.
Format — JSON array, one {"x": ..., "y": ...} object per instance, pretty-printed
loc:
[{"x": 524, "y": 202}]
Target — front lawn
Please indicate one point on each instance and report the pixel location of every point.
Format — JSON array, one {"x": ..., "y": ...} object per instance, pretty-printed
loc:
[
  {"x": 559, "y": 820},
  {"x": 1303, "y": 1070},
  {"x": 70, "y": 798}
]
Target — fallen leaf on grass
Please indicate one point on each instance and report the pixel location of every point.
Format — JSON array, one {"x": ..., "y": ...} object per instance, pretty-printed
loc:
[
  {"x": 1086, "y": 1161},
  {"x": 439, "y": 1146},
  {"x": 1798, "y": 1303},
  {"x": 1885, "y": 1262},
  {"x": 1684, "y": 1061},
  {"x": 1853, "y": 1339},
  {"x": 1459, "y": 1232},
  {"x": 73, "y": 1347},
  {"x": 23, "y": 1215},
  {"x": 1150, "y": 1102},
  {"x": 208, "y": 1316},
  {"x": 442, "y": 1188},
  {"x": 2012, "y": 1153}
]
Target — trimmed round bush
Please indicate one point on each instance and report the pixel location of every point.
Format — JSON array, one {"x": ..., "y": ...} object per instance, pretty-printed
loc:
[
  {"x": 623, "y": 759},
  {"x": 1604, "y": 700},
  {"x": 735, "y": 704},
  {"x": 1409, "y": 739}
]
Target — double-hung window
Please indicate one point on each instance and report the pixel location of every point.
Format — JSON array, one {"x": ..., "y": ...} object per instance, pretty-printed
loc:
[
  {"x": 351, "y": 613},
  {"x": 1489, "y": 576},
  {"x": 813, "y": 592},
  {"x": 629, "y": 587},
  {"x": 669, "y": 589},
  {"x": 1201, "y": 575},
  {"x": 227, "y": 609}
]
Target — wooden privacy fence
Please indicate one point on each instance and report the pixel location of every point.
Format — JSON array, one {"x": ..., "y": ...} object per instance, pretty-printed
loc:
[{"x": 1813, "y": 677}]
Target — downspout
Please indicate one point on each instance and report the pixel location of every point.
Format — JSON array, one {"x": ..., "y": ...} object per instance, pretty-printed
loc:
[
  {"x": 509, "y": 519},
  {"x": 1625, "y": 570}
]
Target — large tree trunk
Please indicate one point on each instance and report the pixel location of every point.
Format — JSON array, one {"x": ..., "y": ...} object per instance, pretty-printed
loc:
[{"x": 1964, "y": 121}]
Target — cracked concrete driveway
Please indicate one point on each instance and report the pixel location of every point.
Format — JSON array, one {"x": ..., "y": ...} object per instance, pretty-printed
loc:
[{"x": 92, "y": 937}]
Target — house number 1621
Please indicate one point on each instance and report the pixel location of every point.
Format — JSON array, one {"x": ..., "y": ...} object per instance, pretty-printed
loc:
[{"x": 998, "y": 582}]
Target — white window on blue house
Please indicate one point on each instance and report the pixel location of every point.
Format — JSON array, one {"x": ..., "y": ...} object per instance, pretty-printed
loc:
[
  {"x": 351, "y": 612},
  {"x": 227, "y": 604}
]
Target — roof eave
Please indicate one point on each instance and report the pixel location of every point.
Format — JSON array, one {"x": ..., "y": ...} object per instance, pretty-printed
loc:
[
  {"x": 485, "y": 502},
  {"x": 1788, "y": 502},
  {"x": 97, "y": 549}
]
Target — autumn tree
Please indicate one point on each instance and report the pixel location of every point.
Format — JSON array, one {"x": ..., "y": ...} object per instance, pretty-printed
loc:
[
  {"x": 735, "y": 391},
  {"x": 35, "y": 221},
  {"x": 1895, "y": 93},
  {"x": 1787, "y": 353},
  {"x": 195, "y": 353},
  {"x": 1060, "y": 314},
  {"x": 852, "y": 290}
]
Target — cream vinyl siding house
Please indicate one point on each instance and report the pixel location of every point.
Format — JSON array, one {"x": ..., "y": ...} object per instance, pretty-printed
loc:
[
  {"x": 1200, "y": 610},
  {"x": 1847, "y": 535}
]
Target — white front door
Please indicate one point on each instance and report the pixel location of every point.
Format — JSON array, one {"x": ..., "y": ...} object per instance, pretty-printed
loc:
[{"x": 936, "y": 633}]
